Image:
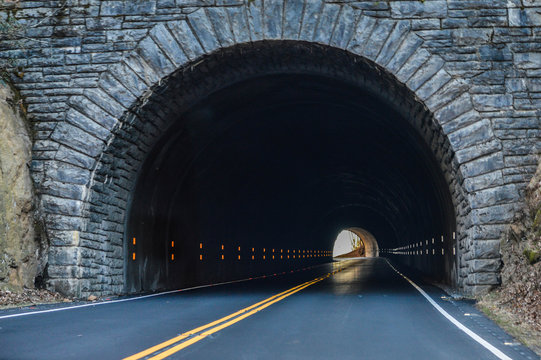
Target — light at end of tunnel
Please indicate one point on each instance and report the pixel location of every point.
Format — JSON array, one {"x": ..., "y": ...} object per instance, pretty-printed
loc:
[
  {"x": 133, "y": 256},
  {"x": 133, "y": 241}
]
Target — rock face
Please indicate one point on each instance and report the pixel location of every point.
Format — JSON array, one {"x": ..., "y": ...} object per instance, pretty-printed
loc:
[
  {"x": 18, "y": 248},
  {"x": 520, "y": 292}
]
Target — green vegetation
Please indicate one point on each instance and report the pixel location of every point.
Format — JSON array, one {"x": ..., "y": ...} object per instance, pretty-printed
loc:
[{"x": 532, "y": 256}]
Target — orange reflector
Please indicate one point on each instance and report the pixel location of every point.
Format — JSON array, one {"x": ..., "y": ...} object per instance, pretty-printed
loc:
[
  {"x": 200, "y": 257},
  {"x": 172, "y": 256},
  {"x": 239, "y": 257},
  {"x": 222, "y": 247},
  {"x": 200, "y": 245},
  {"x": 133, "y": 241},
  {"x": 133, "y": 256},
  {"x": 239, "y": 248},
  {"x": 252, "y": 257},
  {"x": 263, "y": 249},
  {"x": 272, "y": 257},
  {"x": 172, "y": 244},
  {"x": 252, "y": 249},
  {"x": 222, "y": 257}
]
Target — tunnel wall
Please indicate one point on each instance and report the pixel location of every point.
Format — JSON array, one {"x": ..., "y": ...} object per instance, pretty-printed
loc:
[
  {"x": 89, "y": 65},
  {"x": 371, "y": 247}
]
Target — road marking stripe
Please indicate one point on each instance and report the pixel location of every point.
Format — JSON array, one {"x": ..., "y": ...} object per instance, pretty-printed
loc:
[
  {"x": 221, "y": 324},
  {"x": 201, "y": 328},
  {"x": 144, "y": 296},
  {"x": 203, "y": 335},
  {"x": 455, "y": 322}
]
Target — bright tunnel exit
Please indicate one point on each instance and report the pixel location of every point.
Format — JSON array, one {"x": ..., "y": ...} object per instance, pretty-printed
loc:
[{"x": 355, "y": 242}]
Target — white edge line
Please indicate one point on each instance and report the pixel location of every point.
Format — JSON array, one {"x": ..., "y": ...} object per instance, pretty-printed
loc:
[
  {"x": 455, "y": 322},
  {"x": 146, "y": 296}
]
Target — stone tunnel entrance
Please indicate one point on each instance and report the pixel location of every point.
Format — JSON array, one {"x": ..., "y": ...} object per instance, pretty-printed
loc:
[{"x": 257, "y": 156}]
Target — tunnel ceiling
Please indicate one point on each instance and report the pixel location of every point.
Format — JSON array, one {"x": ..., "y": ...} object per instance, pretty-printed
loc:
[{"x": 286, "y": 153}]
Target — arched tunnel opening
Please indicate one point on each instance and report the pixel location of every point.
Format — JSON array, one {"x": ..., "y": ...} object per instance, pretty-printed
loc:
[
  {"x": 355, "y": 242},
  {"x": 259, "y": 171}
]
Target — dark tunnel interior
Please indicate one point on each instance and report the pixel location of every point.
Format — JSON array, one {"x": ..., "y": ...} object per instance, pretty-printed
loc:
[{"x": 279, "y": 163}]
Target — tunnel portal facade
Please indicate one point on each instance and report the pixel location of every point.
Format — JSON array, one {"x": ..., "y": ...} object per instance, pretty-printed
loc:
[{"x": 439, "y": 114}]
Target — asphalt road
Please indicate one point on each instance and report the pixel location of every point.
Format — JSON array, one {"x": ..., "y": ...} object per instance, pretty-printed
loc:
[{"x": 364, "y": 311}]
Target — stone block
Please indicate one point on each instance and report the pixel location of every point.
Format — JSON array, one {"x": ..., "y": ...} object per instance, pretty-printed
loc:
[
  {"x": 494, "y": 196},
  {"x": 310, "y": 19},
  {"x": 395, "y": 38},
  {"x": 485, "y": 265},
  {"x": 377, "y": 38},
  {"x": 116, "y": 8},
  {"x": 343, "y": 30},
  {"x": 527, "y": 60},
  {"x": 202, "y": 27},
  {"x": 487, "y": 232},
  {"x": 220, "y": 23},
  {"x": 361, "y": 34},
  {"x": 483, "y": 181},
  {"x": 483, "y": 165},
  {"x": 75, "y": 137},
  {"x": 186, "y": 38},
  {"x": 478, "y": 132},
  {"x": 328, "y": 19},
  {"x": 71, "y": 156},
  {"x": 498, "y": 214},
  {"x": 239, "y": 23},
  {"x": 488, "y": 102},
  {"x": 525, "y": 16},
  {"x": 165, "y": 40},
  {"x": 478, "y": 150},
  {"x": 457, "y": 114},
  {"x": 415, "y": 61},
  {"x": 418, "y": 9}
]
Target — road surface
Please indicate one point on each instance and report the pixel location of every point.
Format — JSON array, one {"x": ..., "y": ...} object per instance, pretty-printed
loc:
[{"x": 357, "y": 309}]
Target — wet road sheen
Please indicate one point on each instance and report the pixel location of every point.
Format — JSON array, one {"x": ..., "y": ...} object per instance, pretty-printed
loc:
[{"x": 364, "y": 311}]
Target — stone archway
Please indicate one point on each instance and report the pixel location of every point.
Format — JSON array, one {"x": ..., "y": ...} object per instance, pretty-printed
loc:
[{"x": 87, "y": 249}]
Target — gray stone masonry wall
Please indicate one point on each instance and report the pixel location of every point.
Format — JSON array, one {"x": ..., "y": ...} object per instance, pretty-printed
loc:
[{"x": 82, "y": 64}]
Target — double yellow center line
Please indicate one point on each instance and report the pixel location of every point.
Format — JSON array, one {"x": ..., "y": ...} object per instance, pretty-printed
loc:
[{"x": 188, "y": 338}]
